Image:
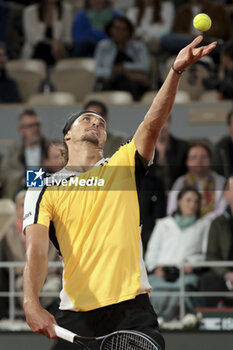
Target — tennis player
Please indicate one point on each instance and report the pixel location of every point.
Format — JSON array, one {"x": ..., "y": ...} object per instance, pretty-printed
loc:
[{"x": 96, "y": 228}]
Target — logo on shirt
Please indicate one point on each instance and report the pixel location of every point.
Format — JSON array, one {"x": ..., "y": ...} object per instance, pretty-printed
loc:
[{"x": 35, "y": 178}]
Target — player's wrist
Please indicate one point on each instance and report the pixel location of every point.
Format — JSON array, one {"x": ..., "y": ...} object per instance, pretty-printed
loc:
[{"x": 177, "y": 70}]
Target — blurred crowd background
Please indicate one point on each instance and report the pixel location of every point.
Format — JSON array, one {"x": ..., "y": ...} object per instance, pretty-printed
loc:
[{"x": 96, "y": 53}]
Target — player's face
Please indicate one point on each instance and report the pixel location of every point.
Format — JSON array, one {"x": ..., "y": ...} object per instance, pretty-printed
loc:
[
  {"x": 198, "y": 160},
  {"x": 188, "y": 204},
  {"x": 90, "y": 128}
]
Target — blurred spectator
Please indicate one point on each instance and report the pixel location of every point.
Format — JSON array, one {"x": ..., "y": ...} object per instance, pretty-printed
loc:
[
  {"x": 15, "y": 245},
  {"x": 176, "y": 239},
  {"x": 89, "y": 26},
  {"x": 11, "y": 26},
  {"x": 122, "y": 63},
  {"x": 23, "y": 2},
  {"x": 114, "y": 138},
  {"x": 224, "y": 84},
  {"x": 153, "y": 205},
  {"x": 123, "y": 5},
  {"x": 54, "y": 160},
  {"x": 200, "y": 176},
  {"x": 4, "y": 18},
  {"x": 222, "y": 161},
  {"x": 47, "y": 30},
  {"x": 28, "y": 152},
  {"x": 9, "y": 92},
  {"x": 183, "y": 31},
  {"x": 229, "y": 8},
  {"x": 151, "y": 18},
  {"x": 170, "y": 155},
  {"x": 220, "y": 248}
]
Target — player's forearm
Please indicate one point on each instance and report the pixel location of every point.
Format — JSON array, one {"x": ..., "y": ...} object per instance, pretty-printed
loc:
[
  {"x": 34, "y": 275},
  {"x": 163, "y": 102}
]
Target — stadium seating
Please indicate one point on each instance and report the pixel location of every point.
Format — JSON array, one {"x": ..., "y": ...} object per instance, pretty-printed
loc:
[
  {"x": 74, "y": 75},
  {"x": 111, "y": 97},
  {"x": 52, "y": 99},
  {"x": 29, "y": 75},
  {"x": 181, "y": 97}
]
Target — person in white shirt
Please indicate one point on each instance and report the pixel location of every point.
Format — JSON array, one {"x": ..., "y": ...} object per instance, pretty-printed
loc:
[
  {"x": 177, "y": 239},
  {"x": 152, "y": 18}
]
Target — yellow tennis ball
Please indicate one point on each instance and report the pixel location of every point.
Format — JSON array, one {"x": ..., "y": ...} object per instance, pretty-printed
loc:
[{"x": 202, "y": 22}]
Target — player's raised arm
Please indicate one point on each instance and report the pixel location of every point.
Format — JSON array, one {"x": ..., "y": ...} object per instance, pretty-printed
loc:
[
  {"x": 147, "y": 132},
  {"x": 37, "y": 241}
]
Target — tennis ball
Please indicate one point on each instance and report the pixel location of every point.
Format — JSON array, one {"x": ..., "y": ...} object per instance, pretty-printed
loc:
[{"x": 202, "y": 22}]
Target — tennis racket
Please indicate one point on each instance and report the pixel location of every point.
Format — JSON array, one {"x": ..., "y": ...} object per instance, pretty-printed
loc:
[{"x": 119, "y": 340}]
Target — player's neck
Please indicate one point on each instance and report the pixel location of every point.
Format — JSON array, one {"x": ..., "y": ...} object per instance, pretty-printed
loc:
[{"x": 82, "y": 157}]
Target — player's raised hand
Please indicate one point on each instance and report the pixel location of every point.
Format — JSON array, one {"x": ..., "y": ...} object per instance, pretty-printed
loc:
[{"x": 191, "y": 54}]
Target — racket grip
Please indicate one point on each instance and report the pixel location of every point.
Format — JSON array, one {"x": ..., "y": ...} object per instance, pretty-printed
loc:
[{"x": 64, "y": 333}]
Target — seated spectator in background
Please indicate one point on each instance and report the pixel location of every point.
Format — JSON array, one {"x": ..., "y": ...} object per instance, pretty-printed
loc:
[
  {"x": 183, "y": 31},
  {"x": 89, "y": 26},
  {"x": 170, "y": 155},
  {"x": 114, "y": 138},
  {"x": 151, "y": 18},
  {"x": 54, "y": 162},
  {"x": 47, "y": 30},
  {"x": 122, "y": 63},
  {"x": 220, "y": 248},
  {"x": 200, "y": 176},
  {"x": 14, "y": 244},
  {"x": 223, "y": 83},
  {"x": 222, "y": 160},
  {"x": 123, "y": 5},
  {"x": 175, "y": 240},
  {"x": 29, "y": 151},
  {"x": 9, "y": 92},
  {"x": 153, "y": 205}
]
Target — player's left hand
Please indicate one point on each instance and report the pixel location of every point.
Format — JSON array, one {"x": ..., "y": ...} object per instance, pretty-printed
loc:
[{"x": 191, "y": 54}]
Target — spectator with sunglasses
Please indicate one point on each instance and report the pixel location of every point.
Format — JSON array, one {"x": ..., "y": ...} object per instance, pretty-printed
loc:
[{"x": 29, "y": 151}]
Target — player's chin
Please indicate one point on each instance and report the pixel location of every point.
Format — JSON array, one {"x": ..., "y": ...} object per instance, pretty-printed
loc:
[{"x": 91, "y": 138}]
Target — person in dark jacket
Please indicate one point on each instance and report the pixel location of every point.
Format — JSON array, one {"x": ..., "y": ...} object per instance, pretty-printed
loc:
[
  {"x": 28, "y": 152},
  {"x": 220, "y": 248},
  {"x": 170, "y": 156},
  {"x": 9, "y": 92},
  {"x": 222, "y": 160}
]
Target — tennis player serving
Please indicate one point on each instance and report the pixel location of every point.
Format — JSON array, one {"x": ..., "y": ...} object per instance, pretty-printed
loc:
[{"x": 96, "y": 231}]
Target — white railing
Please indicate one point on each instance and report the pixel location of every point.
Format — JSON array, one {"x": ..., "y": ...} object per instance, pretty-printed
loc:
[{"x": 11, "y": 294}]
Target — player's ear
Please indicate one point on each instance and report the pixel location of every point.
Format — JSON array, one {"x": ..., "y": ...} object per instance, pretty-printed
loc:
[{"x": 67, "y": 136}]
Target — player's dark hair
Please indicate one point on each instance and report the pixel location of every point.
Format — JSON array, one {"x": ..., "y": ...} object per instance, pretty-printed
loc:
[
  {"x": 28, "y": 111},
  {"x": 182, "y": 192},
  {"x": 101, "y": 105},
  {"x": 229, "y": 116},
  {"x": 64, "y": 150}
]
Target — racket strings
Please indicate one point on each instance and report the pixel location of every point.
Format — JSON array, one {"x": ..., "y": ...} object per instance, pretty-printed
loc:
[{"x": 127, "y": 342}]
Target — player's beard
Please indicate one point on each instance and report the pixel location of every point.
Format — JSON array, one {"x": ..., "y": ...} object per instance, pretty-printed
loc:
[{"x": 91, "y": 139}]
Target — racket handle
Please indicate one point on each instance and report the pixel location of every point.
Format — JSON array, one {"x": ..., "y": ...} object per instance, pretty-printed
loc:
[{"x": 64, "y": 333}]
